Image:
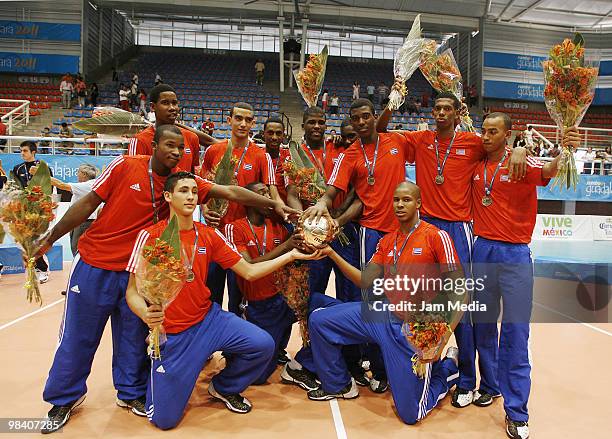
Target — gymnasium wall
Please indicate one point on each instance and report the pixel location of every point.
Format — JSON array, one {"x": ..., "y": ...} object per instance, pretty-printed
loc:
[{"x": 512, "y": 58}]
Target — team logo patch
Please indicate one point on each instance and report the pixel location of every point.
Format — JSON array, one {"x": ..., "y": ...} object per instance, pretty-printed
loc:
[
  {"x": 461, "y": 152},
  {"x": 135, "y": 187},
  {"x": 504, "y": 178},
  {"x": 430, "y": 147},
  {"x": 75, "y": 289},
  {"x": 187, "y": 150},
  {"x": 201, "y": 250},
  {"x": 390, "y": 253},
  {"x": 251, "y": 243},
  {"x": 476, "y": 177},
  {"x": 248, "y": 166},
  {"x": 160, "y": 369},
  {"x": 417, "y": 251},
  {"x": 393, "y": 151}
]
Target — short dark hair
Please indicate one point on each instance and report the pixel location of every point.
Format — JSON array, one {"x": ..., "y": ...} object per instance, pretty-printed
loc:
[
  {"x": 507, "y": 119},
  {"x": 158, "y": 90},
  {"x": 30, "y": 144},
  {"x": 346, "y": 122},
  {"x": 313, "y": 111},
  {"x": 451, "y": 96},
  {"x": 163, "y": 130},
  {"x": 362, "y": 102},
  {"x": 243, "y": 105},
  {"x": 273, "y": 119},
  {"x": 173, "y": 179}
]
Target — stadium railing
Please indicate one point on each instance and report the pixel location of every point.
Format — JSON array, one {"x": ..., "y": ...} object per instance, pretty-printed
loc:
[
  {"x": 15, "y": 116},
  {"x": 60, "y": 145}
]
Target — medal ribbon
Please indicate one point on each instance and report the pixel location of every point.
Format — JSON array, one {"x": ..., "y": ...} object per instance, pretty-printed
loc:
[
  {"x": 396, "y": 254},
  {"x": 448, "y": 150},
  {"x": 489, "y": 188},
  {"x": 365, "y": 157},
  {"x": 261, "y": 249}
]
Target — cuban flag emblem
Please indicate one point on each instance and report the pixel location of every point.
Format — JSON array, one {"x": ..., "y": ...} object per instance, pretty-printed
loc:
[
  {"x": 393, "y": 151},
  {"x": 461, "y": 152},
  {"x": 277, "y": 241},
  {"x": 504, "y": 178},
  {"x": 417, "y": 251},
  {"x": 248, "y": 166},
  {"x": 201, "y": 250},
  {"x": 187, "y": 150}
]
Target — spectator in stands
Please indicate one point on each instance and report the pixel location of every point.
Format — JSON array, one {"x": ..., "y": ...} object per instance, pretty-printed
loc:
[
  {"x": 143, "y": 102},
  {"x": 158, "y": 79},
  {"x": 208, "y": 127},
  {"x": 334, "y": 103},
  {"x": 356, "y": 88},
  {"x": 383, "y": 92},
  {"x": 124, "y": 96},
  {"x": 81, "y": 91},
  {"x": 422, "y": 125},
  {"x": 519, "y": 141},
  {"x": 472, "y": 95},
  {"x": 589, "y": 159},
  {"x": 411, "y": 106},
  {"x": 65, "y": 131},
  {"x": 528, "y": 136},
  {"x": 370, "y": 89},
  {"x": 417, "y": 104},
  {"x": 425, "y": 99},
  {"x": 3, "y": 178},
  {"x": 46, "y": 132},
  {"x": 195, "y": 123},
  {"x": 115, "y": 76},
  {"x": 608, "y": 160},
  {"x": 94, "y": 92},
  {"x": 2, "y": 133},
  {"x": 399, "y": 126},
  {"x": 133, "y": 95},
  {"x": 324, "y": 100},
  {"x": 485, "y": 112},
  {"x": 332, "y": 136},
  {"x": 555, "y": 151},
  {"x": 23, "y": 176},
  {"x": 260, "y": 67},
  {"x": 135, "y": 78},
  {"x": 86, "y": 176},
  {"x": 66, "y": 88},
  {"x": 544, "y": 150}
]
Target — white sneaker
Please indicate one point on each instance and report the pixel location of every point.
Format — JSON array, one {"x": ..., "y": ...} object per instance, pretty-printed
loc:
[
  {"x": 453, "y": 353},
  {"x": 43, "y": 276},
  {"x": 517, "y": 430}
]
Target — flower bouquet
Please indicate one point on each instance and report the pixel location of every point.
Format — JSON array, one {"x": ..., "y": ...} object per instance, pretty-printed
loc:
[
  {"x": 427, "y": 333},
  {"x": 292, "y": 283},
  {"x": 442, "y": 72},
  {"x": 309, "y": 80},
  {"x": 160, "y": 275},
  {"x": 223, "y": 173},
  {"x": 26, "y": 214},
  {"x": 112, "y": 121},
  {"x": 406, "y": 61},
  {"x": 301, "y": 172},
  {"x": 569, "y": 89}
]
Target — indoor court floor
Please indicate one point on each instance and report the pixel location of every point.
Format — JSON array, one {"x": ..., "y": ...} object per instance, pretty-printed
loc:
[{"x": 570, "y": 392}]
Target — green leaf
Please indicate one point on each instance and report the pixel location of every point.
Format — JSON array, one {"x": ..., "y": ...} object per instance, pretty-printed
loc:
[
  {"x": 302, "y": 160},
  {"x": 578, "y": 39},
  {"x": 294, "y": 151},
  {"x": 119, "y": 123},
  {"x": 225, "y": 170},
  {"x": 171, "y": 236},
  {"x": 42, "y": 178},
  {"x": 2, "y": 234}
]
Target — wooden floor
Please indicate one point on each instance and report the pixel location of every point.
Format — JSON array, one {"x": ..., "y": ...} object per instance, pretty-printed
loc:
[{"x": 570, "y": 392}]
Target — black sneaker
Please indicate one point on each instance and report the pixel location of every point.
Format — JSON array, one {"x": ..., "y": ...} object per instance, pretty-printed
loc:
[
  {"x": 462, "y": 398},
  {"x": 59, "y": 415},
  {"x": 517, "y": 429},
  {"x": 483, "y": 399},
  {"x": 283, "y": 357},
  {"x": 360, "y": 377},
  {"x": 379, "y": 386},
  {"x": 302, "y": 377},
  {"x": 235, "y": 402},
  {"x": 349, "y": 392},
  {"x": 137, "y": 406}
]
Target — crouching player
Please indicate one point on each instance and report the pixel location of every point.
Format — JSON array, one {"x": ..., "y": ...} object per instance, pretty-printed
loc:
[
  {"x": 415, "y": 242},
  {"x": 504, "y": 218},
  {"x": 258, "y": 237},
  {"x": 196, "y": 327}
]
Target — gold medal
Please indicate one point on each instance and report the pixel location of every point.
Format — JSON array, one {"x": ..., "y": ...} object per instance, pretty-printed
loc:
[
  {"x": 190, "y": 275},
  {"x": 487, "y": 200},
  {"x": 393, "y": 270},
  {"x": 439, "y": 179},
  {"x": 371, "y": 180}
]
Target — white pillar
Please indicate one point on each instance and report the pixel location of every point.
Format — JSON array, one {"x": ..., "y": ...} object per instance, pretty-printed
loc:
[
  {"x": 304, "y": 42},
  {"x": 281, "y": 32}
]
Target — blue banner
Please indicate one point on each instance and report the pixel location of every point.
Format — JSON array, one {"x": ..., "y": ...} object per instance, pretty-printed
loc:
[
  {"x": 533, "y": 92},
  {"x": 64, "y": 167},
  {"x": 513, "y": 61},
  {"x": 38, "y": 63},
  {"x": 589, "y": 188},
  {"x": 38, "y": 30},
  {"x": 10, "y": 256}
]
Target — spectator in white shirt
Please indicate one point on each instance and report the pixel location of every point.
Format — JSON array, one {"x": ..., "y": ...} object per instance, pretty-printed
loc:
[
  {"x": 66, "y": 88},
  {"x": 334, "y": 103},
  {"x": 422, "y": 125},
  {"x": 529, "y": 137},
  {"x": 356, "y": 88}
]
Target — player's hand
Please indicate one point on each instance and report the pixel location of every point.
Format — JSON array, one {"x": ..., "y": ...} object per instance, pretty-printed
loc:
[
  {"x": 297, "y": 240},
  {"x": 517, "y": 164},
  {"x": 314, "y": 213},
  {"x": 327, "y": 250},
  {"x": 43, "y": 244},
  {"x": 285, "y": 212},
  {"x": 213, "y": 219},
  {"x": 398, "y": 84},
  {"x": 571, "y": 138},
  {"x": 464, "y": 111},
  {"x": 154, "y": 316},
  {"x": 298, "y": 254}
]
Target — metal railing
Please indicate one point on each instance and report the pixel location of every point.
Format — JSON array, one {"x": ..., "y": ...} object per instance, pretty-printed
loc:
[
  {"x": 15, "y": 116},
  {"x": 597, "y": 138},
  {"x": 68, "y": 145}
]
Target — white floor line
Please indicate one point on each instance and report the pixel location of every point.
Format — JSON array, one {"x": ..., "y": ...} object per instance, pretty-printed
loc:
[
  {"x": 588, "y": 325},
  {"x": 6, "y": 325},
  {"x": 335, "y": 408}
]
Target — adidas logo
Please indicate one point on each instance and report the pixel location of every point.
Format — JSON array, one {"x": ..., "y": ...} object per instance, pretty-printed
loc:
[
  {"x": 393, "y": 151},
  {"x": 430, "y": 147},
  {"x": 135, "y": 187},
  {"x": 251, "y": 243},
  {"x": 476, "y": 177},
  {"x": 75, "y": 289},
  {"x": 390, "y": 253},
  {"x": 160, "y": 369}
]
